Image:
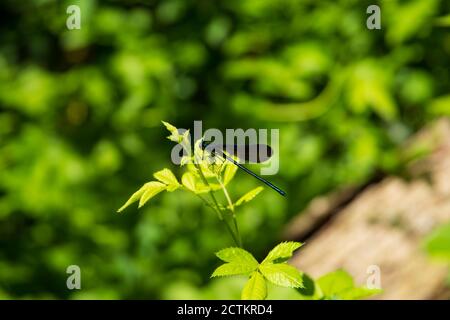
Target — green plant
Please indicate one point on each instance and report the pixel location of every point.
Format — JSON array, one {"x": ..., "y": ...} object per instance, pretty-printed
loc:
[
  {"x": 273, "y": 269},
  {"x": 204, "y": 177}
]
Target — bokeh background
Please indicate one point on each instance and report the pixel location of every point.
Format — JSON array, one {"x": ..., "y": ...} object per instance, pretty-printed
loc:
[{"x": 80, "y": 126}]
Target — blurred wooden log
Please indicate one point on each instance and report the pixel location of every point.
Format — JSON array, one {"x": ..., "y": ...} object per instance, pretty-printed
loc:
[{"x": 385, "y": 225}]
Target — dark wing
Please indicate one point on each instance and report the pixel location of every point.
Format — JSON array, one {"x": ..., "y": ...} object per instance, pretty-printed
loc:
[{"x": 250, "y": 153}]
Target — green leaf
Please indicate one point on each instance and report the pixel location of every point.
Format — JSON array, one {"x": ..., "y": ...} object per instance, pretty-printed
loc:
[
  {"x": 255, "y": 288},
  {"x": 202, "y": 188},
  {"x": 339, "y": 285},
  {"x": 438, "y": 243},
  {"x": 186, "y": 138},
  {"x": 249, "y": 196},
  {"x": 167, "y": 177},
  {"x": 175, "y": 136},
  {"x": 335, "y": 282},
  {"x": 134, "y": 197},
  {"x": 282, "y": 251},
  {"x": 237, "y": 255},
  {"x": 152, "y": 188},
  {"x": 440, "y": 105},
  {"x": 358, "y": 293},
  {"x": 238, "y": 261},
  {"x": 443, "y": 21},
  {"x": 230, "y": 171},
  {"x": 282, "y": 274},
  {"x": 232, "y": 269},
  {"x": 199, "y": 154}
]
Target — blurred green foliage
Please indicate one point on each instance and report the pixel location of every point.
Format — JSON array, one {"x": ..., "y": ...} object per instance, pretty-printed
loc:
[{"x": 80, "y": 114}]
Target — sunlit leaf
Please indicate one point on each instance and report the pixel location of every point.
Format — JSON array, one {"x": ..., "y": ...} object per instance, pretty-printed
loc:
[
  {"x": 202, "y": 188},
  {"x": 207, "y": 169},
  {"x": 189, "y": 181},
  {"x": 151, "y": 189},
  {"x": 249, "y": 196},
  {"x": 335, "y": 282},
  {"x": 282, "y": 274},
  {"x": 443, "y": 21},
  {"x": 282, "y": 251},
  {"x": 167, "y": 177},
  {"x": 199, "y": 153},
  {"x": 406, "y": 19},
  {"x": 237, "y": 255},
  {"x": 255, "y": 288},
  {"x": 309, "y": 287},
  {"x": 185, "y": 160},
  {"x": 438, "y": 243},
  {"x": 368, "y": 87},
  {"x": 339, "y": 285},
  {"x": 229, "y": 172},
  {"x": 171, "y": 128}
]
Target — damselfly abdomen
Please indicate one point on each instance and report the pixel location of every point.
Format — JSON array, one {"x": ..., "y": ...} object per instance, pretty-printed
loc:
[
  {"x": 254, "y": 153},
  {"x": 248, "y": 153}
]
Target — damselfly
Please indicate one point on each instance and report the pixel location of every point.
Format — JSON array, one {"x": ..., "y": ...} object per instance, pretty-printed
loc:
[{"x": 255, "y": 153}]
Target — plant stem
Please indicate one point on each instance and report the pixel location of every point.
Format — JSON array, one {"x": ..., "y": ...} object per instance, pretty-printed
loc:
[
  {"x": 237, "y": 240},
  {"x": 234, "y": 234},
  {"x": 225, "y": 191},
  {"x": 209, "y": 191},
  {"x": 231, "y": 206}
]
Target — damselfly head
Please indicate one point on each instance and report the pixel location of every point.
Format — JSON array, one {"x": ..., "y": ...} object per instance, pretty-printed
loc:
[{"x": 204, "y": 144}]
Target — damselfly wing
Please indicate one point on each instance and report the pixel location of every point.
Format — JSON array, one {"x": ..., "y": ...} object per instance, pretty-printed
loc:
[{"x": 249, "y": 153}]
